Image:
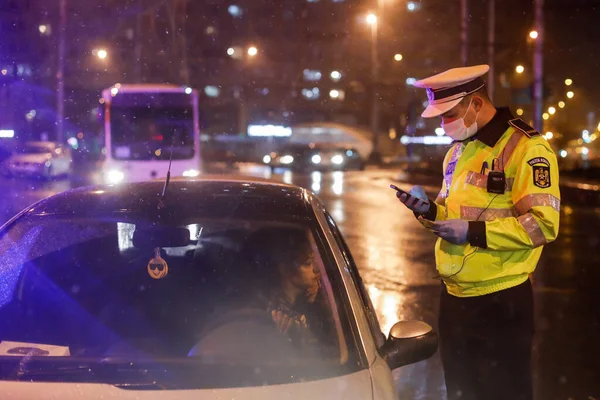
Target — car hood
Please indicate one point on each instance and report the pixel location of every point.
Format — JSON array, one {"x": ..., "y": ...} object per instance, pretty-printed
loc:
[
  {"x": 353, "y": 386},
  {"x": 31, "y": 158}
]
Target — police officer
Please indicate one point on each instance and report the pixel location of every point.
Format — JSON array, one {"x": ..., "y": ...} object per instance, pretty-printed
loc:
[{"x": 498, "y": 206}]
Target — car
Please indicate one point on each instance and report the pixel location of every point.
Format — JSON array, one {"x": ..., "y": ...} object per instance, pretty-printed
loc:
[
  {"x": 314, "y": 157},
  {"x": 40, "y": 159},
  {"x": 207, "y": 288}
]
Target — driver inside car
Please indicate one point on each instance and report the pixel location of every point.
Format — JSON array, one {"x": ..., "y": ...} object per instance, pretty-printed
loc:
[
  {"x": 294, "y": 286},
  {"x": 283, "y": 308}
]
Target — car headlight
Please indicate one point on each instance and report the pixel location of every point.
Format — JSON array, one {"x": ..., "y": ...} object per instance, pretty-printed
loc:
[
  {"x": 267, "y": 159},
  {"x": 337, "y": 159},
  {"x": 114, "y": 177},
  {"x": 191, "y": 173},
  {"x": 316, "y": 159},
  {"x": 287, "y": 159}
]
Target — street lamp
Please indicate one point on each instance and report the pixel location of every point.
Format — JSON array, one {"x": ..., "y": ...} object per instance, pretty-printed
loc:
[
  {"x": 570, "y": 94},
  {"x": 100, "y": 53},
  {"x": 562, "y": 104},
  {"x": 371, "y": 19},
  {"x": 545, "y": 115},
  {"x": 533, "y": 34},
  {"x": 520, "y": 69},
  {"x": 551, "y": 110},
  {"x": 568, "y": 82},
  {"x": 252, "y": 51},
  {"x": 398, "y": 57},
  {"x": 519, "y": 111}
]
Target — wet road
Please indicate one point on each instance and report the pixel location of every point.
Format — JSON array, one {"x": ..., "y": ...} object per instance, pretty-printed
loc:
[{"x": 395, "y": 256}]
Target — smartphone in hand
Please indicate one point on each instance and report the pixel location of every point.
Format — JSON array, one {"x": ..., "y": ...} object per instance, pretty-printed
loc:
[{"x": 409, "y": 197}]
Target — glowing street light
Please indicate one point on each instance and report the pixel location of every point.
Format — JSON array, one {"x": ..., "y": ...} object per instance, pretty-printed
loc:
[
  {"x": 570, "y": 94},
  {"x": 398, "y": 57},
  {"x": 546, "y": 116},
  {"x": 371, "y": 19},
  {"x": 551, "y": 110},
  {"x": 230, "y": 51},
  {"x": 102, "y": 54},
  {"x": 533, "y": 34},
  {"x": 568, "y": 82},
  {"x": 562, "y": 104},
  {"x": 252, "y": 51},
  {"x": 549, "y": 135},
  {"x": 520, "y": 69},
  {"x": 519, "y": 111}
]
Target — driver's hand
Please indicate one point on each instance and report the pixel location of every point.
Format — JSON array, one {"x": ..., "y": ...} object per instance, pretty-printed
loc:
[
  {"x": 419, "y": 203},
  {"x": 311, "y": 293},
  {"x": 282, "y": 320}
]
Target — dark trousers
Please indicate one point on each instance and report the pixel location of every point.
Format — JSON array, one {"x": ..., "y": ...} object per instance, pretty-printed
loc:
[{"x": 485, "y": 344}]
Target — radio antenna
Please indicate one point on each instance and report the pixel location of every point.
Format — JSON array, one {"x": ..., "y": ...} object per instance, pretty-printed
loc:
[{"x": 161, "y": 201}]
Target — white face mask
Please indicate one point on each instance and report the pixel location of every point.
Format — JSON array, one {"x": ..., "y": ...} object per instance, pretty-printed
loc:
[{"x": 457, "y": 129}]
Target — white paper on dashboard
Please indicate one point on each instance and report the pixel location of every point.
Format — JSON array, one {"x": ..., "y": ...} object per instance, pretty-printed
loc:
[{"x": 20, "y": 349}]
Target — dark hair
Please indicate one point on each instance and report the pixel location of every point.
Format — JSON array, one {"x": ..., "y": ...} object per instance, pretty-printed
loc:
[
  {"x": 276, "y": 246},
  {"x": 479, "y": 92}
]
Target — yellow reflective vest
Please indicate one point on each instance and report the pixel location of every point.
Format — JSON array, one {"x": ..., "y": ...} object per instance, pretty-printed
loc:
[{"x": 507, "y": 231}]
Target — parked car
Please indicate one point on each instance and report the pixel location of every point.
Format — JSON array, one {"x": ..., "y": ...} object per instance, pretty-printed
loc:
[
  {"x": 40, "y": 159},
  {"x": 212, "y": 289},
  {"x": 314, "y": 157}
]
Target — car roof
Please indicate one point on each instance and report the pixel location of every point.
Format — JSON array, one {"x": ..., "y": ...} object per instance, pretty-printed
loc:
[{"x": 222, "y": 197}]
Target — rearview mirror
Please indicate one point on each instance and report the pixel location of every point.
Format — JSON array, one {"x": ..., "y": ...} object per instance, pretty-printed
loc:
[
  {"x": 161, "y": 236},
  {"x": 409, "y": 342}
]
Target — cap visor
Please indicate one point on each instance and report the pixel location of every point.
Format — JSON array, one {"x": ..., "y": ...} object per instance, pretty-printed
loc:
[{"x": 435, "y": 110}]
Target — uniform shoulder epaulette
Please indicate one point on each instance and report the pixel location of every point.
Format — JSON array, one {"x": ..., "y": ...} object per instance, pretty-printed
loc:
[{"x": 523, "y": 127}]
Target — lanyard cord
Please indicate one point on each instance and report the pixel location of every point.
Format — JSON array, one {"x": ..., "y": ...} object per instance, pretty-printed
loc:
[{"x": 474, "y": 250}]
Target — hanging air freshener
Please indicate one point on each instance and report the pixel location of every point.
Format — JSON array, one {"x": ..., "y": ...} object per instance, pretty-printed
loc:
[{"x": 157, "y": 267}]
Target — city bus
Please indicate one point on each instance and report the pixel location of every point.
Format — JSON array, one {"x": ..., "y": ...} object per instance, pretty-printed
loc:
[{"x": 145, "y": 127}]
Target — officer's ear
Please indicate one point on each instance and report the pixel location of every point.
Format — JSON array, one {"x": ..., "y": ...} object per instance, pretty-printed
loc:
[{"x": 477, "y": 102}]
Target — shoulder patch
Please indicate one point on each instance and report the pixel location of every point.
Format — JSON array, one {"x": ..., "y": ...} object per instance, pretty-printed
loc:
[
  {"x": 523, "y": 127},
  {"x": 541, "y": 172}
]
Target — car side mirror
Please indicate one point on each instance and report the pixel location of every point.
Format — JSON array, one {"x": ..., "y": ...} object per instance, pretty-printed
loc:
[{"x": 409, "y": 342}]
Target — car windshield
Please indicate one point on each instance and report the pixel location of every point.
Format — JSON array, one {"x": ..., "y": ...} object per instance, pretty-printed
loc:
[
  {"x": 139, "y": 133},
  {"x": 251, "y": 300}
]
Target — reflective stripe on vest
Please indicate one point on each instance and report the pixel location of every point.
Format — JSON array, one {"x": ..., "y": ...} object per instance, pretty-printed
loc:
[
  {"x": 533, "y": 229},
  {"x": 537, "y": 200},
  {"x": 480, "y": 180},
  {"x": 485, "y": 214}
]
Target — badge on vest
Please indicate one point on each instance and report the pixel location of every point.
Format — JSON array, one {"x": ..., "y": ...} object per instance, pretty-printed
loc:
[{"x": 540, "y": 172}]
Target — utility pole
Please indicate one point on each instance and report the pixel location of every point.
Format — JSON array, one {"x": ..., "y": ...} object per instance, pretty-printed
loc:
[
  {"x": 60, "y": 73},
  {"x": 464, "y": 32},
  {"x": 375, "y": 101},
  {"x": 138, "y": 43},
  {"x": 491, "y": 44},
  {"x": 538, "y": 66}
]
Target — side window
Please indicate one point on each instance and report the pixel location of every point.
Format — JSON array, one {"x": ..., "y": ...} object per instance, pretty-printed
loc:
[{"x": 366, "y": 300}]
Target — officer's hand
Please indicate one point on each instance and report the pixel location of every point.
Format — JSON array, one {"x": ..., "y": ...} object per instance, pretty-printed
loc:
[
  {"x": 453, "y": 230},
  {"x": 419, "y": 203}
]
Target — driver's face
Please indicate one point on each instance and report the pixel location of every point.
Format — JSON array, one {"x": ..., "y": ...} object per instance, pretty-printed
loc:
[{"x": 307, "y": 277}]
